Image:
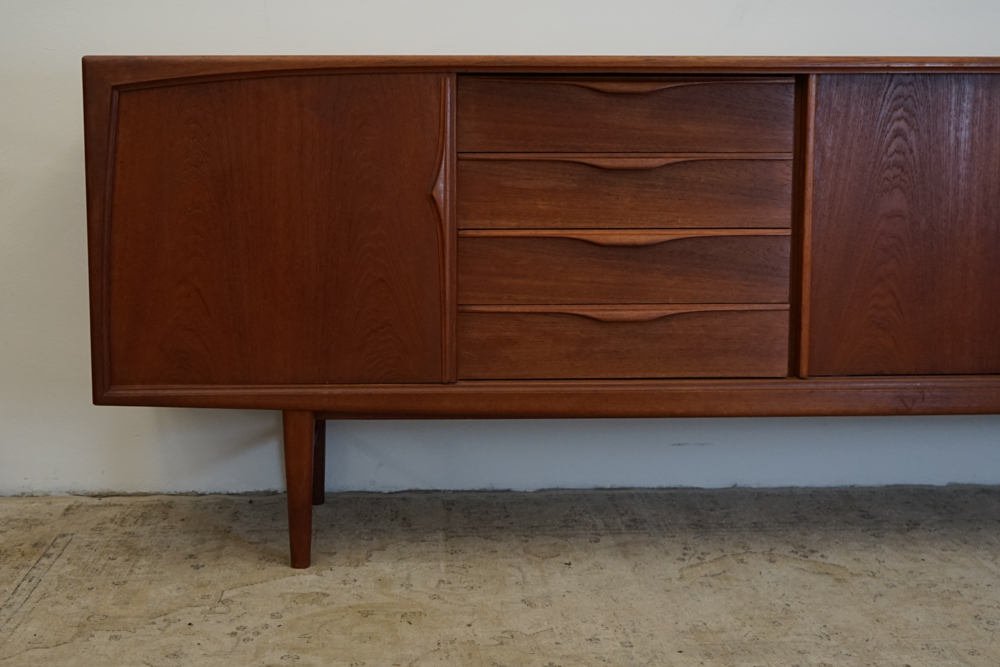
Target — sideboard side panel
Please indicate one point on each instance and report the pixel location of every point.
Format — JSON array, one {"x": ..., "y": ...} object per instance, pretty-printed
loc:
[
  {"x": 906, "y": 225},
  {"x": 286, "y": 230}
]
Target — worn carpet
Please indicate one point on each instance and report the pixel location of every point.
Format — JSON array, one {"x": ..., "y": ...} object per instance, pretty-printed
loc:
[{"x": 796, "y": 578}]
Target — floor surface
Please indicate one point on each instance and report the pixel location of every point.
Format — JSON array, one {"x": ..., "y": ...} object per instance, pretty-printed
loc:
[{"x": 894, "y": 577}]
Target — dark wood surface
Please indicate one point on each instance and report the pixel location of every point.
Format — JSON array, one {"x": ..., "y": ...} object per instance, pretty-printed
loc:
[
  {"x": 281, "y": 230},
  {"x": 802, "y": 212},
  {"x": 534, "y": 190},
  {"x": 552, "y": 342},
  {"x": 906, "y": 225},
  {"x": 126, "y": 70},
  {"x": 781, "y": 397},
  {"x": 449, "y": 229},
  {"x": 622, "y": 266},
  {"x": 593, "y": 114},
  {"x": 107, "y": 77},
  {"x": 100, "y": 102},
  {"x": 298, "y": 426}
]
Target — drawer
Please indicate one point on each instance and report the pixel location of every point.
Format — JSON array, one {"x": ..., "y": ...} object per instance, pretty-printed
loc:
[
  {"x": 552, "y": 342},
  {"x": 612, "y": 190},
  {"x": 623, "y": 267},
  {"x": 675, "y": 114}
]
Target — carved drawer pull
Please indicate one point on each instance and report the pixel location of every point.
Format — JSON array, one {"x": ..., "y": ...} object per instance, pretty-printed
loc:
[
  {"x": 631, "y": 163},
  {"x": 625, "y": 316},
  {"x": 619, "y": 238},
  {"x": 622, "y": 162},
  {"x": 620, "y": 314},
  {"x": 641, "y": 87},
  {"x": 630, "y": 87}
]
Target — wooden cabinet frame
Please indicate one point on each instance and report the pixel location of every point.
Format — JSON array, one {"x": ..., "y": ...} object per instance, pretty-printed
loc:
[{"x": 306, "y": 405}]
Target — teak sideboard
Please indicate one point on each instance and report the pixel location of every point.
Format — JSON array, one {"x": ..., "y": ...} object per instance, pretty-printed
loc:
[{"x": 390, "y": 237}]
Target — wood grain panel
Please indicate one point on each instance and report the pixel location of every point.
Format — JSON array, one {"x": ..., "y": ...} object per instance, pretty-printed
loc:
[
  {"x": 628, "y": 267},
  {"x": 883, "y": 395},
  {"x": 802, "y": 211},
  {"x": 124, "y": 70},
  {"x": 544, "y": 114},
  {"x": 281, "y": 230},
  {"x": 299, "y": 431},
  {"x": 524, "y": 342},
  {"x": 105, "y": 77},
  {"x": 613, "y": 190},
  {"x": 906, "y": 225}
]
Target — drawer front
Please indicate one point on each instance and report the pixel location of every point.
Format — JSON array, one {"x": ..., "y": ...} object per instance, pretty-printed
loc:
[
  {"x": 603, "y": 191},
  {"x": 578, "y": 343},
  {"x": 626, "y": 267},
  {"x": 678, "y": 114}
]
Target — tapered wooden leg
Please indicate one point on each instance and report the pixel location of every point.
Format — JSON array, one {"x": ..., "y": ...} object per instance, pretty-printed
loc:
[
  {"x": 319, "y": 462},
  {"x": 299, "y": 434}
]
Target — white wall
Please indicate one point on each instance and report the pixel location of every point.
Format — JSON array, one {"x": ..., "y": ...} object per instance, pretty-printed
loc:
[{"x": 53, "y": 440}]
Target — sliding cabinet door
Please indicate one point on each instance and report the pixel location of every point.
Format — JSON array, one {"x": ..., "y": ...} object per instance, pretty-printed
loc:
[
  {"x": 290, "y": 229},
  {"x": 906, "y": 225}
]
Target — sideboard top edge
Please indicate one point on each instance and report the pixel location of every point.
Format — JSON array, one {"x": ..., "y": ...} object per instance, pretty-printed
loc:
[{"x": 122, "y": 70}]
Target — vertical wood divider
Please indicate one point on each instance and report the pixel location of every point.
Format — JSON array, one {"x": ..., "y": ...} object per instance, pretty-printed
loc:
[
  {"x": 101, "y": 122},
  {"x": 802, "y": 205},
  {"x": 449, "y": 302},
  {"x": 102, "y": 378}
]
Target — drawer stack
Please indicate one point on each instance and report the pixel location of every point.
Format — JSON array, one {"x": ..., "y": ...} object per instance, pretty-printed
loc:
[{"x": 623, "y": 227}]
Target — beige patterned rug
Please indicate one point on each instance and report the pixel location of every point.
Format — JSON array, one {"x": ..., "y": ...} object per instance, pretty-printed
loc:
[{"x": 896, "y": 576}]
